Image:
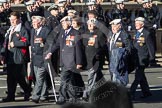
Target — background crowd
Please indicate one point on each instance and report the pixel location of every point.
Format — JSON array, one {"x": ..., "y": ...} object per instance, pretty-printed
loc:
[{"x": 72, "y": 41}]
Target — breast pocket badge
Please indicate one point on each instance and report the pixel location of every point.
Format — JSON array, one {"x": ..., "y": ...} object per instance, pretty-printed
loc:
[
  {"x": 91, "y": 41},
  {"x": 141, "y": 41},
  {"x": 70, "y": 41},
  {"x": 119, "y": 44}
]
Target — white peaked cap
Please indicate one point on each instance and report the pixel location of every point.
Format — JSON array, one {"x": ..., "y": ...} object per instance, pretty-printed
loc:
[
  {"x": 60, "y": 1},
  {"x": 53, "y": 7},
  {"x": 145, "y": 1},
  {"x": 60, "y": 4},
  {"x": 72, "y": 11},
  {"x": 31, "y": 2},
  {"x": 119, "y": 1},
  {"x": 91, "y": 3},
  {"x": 92, "y": 21},
  {"x": 66, "y": 18},
  {"x": 115, "y": 21}
]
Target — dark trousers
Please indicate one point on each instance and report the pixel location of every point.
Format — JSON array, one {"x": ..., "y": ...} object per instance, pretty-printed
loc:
[
  {"x": 140, "y": 78},
  {"x": 40, "y": 88},
  {"x": 66, "y": 87},
  {"x": 153, "y": 36},
  {"x": 16, "y": 74},
  {"x": 94, "y": 79}
]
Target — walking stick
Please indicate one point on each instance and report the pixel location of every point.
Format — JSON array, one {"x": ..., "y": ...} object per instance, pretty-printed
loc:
[{"x": 53, "y": 87}]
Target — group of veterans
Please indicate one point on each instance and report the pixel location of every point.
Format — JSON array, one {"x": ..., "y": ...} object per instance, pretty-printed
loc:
[{"x": 72, "y": 42}]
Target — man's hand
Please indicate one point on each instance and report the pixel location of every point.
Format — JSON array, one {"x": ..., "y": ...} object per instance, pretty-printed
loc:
[
  {"x": 48, "y": 56},
  {"x": 2, "y": 59},
  {"x": 79, "y": 66},
  {"x": 11, "y": 44}
]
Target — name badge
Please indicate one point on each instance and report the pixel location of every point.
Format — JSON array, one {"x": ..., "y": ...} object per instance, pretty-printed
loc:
[{"x": 119, "y": 44}]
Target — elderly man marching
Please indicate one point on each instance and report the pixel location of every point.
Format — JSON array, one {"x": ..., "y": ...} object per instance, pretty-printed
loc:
[
  {"x": 71, "y": 60},
  {"x": 119, "y": 43},
  {"x": 93, "y": 41},
  {"x": 143, "y": 44},
  {"x": 39, "y": 34}
]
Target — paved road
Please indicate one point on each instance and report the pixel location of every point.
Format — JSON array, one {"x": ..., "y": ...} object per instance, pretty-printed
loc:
[{"x": 154, "y": 76}]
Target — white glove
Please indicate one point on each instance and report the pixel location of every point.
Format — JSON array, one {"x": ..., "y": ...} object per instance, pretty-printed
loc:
[
  {"x": 155, "y": 26},
  {"x": 129, "y": 28},
  {"x": 48, "y": 56}
]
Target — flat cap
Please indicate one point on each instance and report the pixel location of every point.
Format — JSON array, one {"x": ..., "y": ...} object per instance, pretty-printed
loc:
[
  {"x": 115, "y": 21},
  {"x": 66, "y": 18},
  {"x": 37, "y": 17},
  {"x": 140, "y": 19},
  {"x": 53, "y": 7},
  {"x": 92, "y": 21}
]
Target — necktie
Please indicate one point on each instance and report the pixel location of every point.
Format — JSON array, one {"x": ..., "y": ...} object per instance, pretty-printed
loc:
[
  {"x": 65, "y": 35},
  {"x": 35, "y": 33},
  {"x": 11, "y": 32},
  {"x": 137, "y": 34},
  {"x": 112, "y": 41}
]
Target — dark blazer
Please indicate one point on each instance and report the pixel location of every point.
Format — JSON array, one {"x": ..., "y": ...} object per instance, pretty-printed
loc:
[
  {"x": 16, "y": 39},
  {"x": 93, "y": 53},
  {"x": 123, "y": 38},
  {"x": 144, "y": 50},
  {"x": 71, "y": 55},
  {"x": 36, "y": 48}
]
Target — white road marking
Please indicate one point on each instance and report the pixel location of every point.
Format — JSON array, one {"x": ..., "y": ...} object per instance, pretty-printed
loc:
[
  {"x": 3, "y": 79},
  {"x": 57, "y": 83},
  {"x": 159, "y": 77}
]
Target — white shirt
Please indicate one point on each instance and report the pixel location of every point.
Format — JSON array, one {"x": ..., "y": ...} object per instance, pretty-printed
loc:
[
  {"x": 140, "y": 30},
  {"x": 67, "y": 31},
  {"x": 16, "y": 28},
  {"x": 38, "y": 30},
  {"x": 113, "y": 39}
]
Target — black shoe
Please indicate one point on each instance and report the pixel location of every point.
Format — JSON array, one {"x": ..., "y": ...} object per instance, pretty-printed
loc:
[
  {"x": 71, "y": 100},
  {"x": 154, "y": 65},
  {"x": 60, "y": 102},
  {"x": 21, "y": 93},
  {"x": 27, "y": 96},
  {"x": 146, "y": 95},
  {"x": 133, "y": 97},
  {"x": 7, "y": 99},
  {"x": 43, "y": 100},
  {"x": 85, "y": 99},
  {"x": 35, "y": 100}
]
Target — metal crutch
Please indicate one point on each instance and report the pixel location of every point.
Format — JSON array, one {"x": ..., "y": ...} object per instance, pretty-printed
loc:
[{"x": 53, "y": 87}]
